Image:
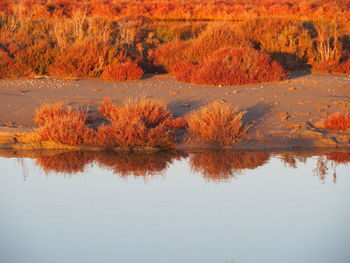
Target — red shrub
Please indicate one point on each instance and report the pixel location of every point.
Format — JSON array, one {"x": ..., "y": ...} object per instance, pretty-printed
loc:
[
  {"x": 122, "y": 72},
  {"x": 215, "y": 37},
  {"x": 63, "y": 125},
  {"x": 183, "y": 70},
  {"x": 338, "y": 121},
  {"x": 231, "y": 66},
  {"x": 138, "y": 124},
  {"x": 167, "y": 54},
  {"x": 343, "y": 67},
  {"x": 82, "y": 59}
]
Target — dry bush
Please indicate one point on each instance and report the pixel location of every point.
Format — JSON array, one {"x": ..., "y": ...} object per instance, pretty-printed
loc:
[
  {"x": 168, "y": 54},
  {"x": 82, "y": 59},
  {"x": 343, "y": 67},
  {"x": 178, "y": 123},
  {"x": 184, "y": 70},
  {"x": 138, "y": 124},
  {"x": 171, "y": 55},
  {"x": 62, "y": 124},
  {"x": 122, "y": 72},
  {"x": 338, "y": 121},
  {"x": 231, "y": 66},
  {"x": 286, "y": 41},
  {"x": 215, "y": 37},
  {"x": 217, "y": 122},
  {"x": 221, "y": 165},
  {"x": 49, "y": 112}
]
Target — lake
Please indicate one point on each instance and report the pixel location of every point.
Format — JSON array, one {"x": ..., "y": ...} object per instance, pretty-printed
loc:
[{"x": 209, "y": 206}]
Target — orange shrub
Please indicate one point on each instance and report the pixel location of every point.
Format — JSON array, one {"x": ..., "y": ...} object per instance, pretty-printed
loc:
[
  {"x": 137, "y": 124},
  {"x": 231, "y": 66},
  {"x": 166, "y": 55},
  {"x": 122, "y": 72},
  {"x": 343, "y": 67},
  {"x": 217, "y": 122},
  {"x": 215, "y": 37},
  {"x": 183, "y": 70},
  {"x": 338, "y": 121},
  {"x": 49, "y": 112},
  {"x": 81, "y": 59},
  {"x": 63, "y": 125}
]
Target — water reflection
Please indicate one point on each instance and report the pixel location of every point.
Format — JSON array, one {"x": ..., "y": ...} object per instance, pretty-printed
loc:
[
  {"x": 123, "y": 164},
  {"x": 211, "y": 165},
  {"x": 221, "y": 165}
]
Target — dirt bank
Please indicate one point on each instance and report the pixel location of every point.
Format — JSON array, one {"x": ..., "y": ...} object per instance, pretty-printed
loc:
[{"x": 283, "y": 114}]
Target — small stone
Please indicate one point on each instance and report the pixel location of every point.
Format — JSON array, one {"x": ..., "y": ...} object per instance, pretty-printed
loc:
[
  {"x": 234, "y": 91},
  {"x": 186, "y": 105},
  {"x": 292, "y": 89}
]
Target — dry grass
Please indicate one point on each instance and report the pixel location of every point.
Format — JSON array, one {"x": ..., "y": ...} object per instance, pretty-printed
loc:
[
  {"x": 218, "y": 123},
  {"x": 338, "y": 121}
]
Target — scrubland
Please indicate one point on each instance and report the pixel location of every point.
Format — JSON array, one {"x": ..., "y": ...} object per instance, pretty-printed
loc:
[
  {"x": 203, "y": 42},
  {"x": 221, "y": 43}
]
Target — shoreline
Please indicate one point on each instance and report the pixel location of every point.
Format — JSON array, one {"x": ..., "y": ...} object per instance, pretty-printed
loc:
[
  {"x": 285, "y": 115},
  {"x": 305, "y": 139}
]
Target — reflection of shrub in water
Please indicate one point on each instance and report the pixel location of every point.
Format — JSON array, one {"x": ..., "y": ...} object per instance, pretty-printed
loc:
[
  {"x": 339, "y": 157},
  {"x": 137, "y": 164},
  {"x": 121, "y": 163},
  {"x": 221, "y": 165},
  {"x": 69, "y": 162},
  {"x": 331, "y": 160}
]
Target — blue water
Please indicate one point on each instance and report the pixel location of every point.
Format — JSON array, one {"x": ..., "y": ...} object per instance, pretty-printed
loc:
[{"x": 201, "y": 207}]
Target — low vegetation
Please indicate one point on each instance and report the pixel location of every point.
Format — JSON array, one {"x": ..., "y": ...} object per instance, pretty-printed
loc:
[
  {"x": 338, "y": 121},
  {"x": 63, "y": 124},
  {"x": 137, "y": 124},
  {"x": 122, "y": 40},
  {"x": 217, "y": 122},
  {"x": 231, "y": 66}
]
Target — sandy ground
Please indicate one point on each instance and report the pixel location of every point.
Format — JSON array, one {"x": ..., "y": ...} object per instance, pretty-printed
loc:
[{"x": 275, "y": 107}]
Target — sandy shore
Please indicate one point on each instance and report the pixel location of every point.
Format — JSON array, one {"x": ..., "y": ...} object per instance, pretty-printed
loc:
[{"x": 284, "y": 113}]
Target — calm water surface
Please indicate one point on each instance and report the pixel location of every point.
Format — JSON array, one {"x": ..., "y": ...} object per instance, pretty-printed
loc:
[{"x": 175, "y": 207}]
